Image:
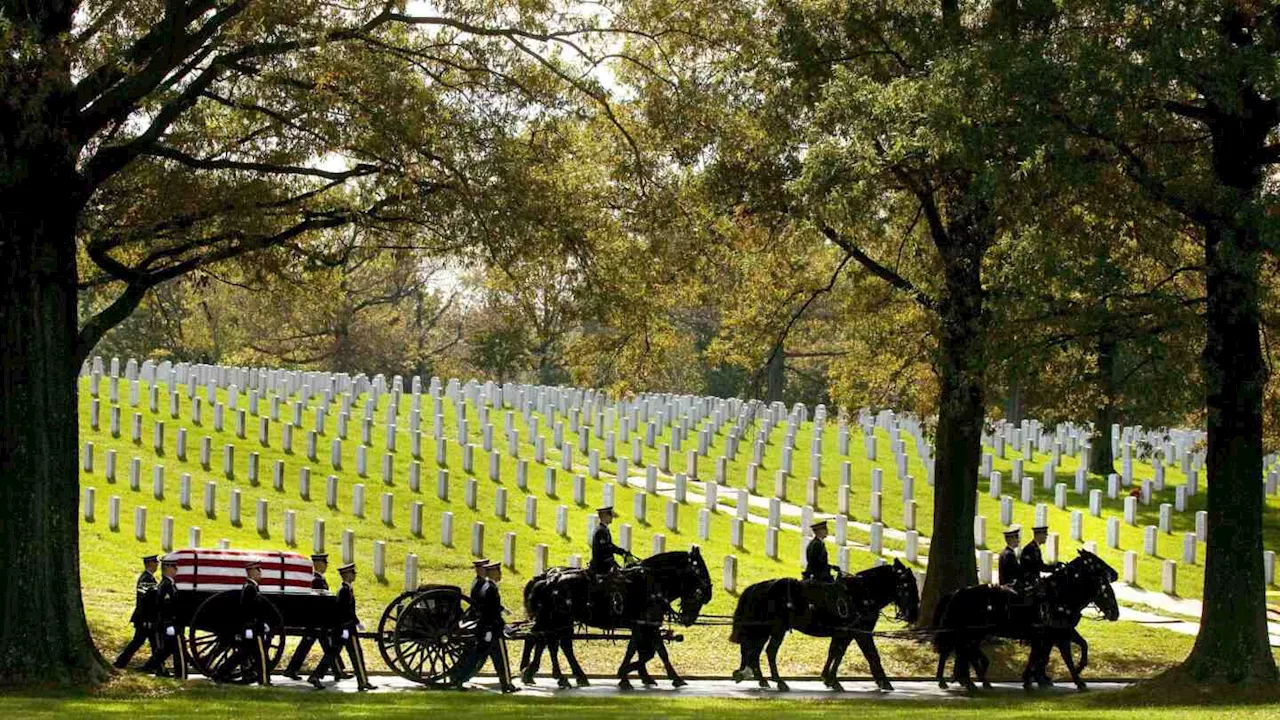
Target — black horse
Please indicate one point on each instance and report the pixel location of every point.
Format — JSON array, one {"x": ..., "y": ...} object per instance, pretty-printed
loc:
[
  {"x": 845, "y": 610},
  {"x": 1043, "y": 616},
  {"x": 638, "y": 598}
]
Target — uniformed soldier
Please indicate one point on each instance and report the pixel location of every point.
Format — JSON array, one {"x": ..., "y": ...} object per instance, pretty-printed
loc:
[
  {"x": 254, "y": 626},
  {"x": 345, "y": 634},
  {"x": 477, "y": 583},
  {"x": 168, "y": 625},
  {"x": 602, "y": 547},
  {"x": 1010, "y": 568},
  {"x": 817, "y": 566},
  {"x": 319, "y": 585},
  {"x": 1032, "y": 559},
  {"x": 489, "y": 641},
  {"x": 144, "y": 612}
]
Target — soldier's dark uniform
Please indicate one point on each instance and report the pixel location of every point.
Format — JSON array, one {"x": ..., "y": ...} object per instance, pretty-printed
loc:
[
  {"x": 817, "y": 565},
  {"x": 489, "y": 639},
  {"x": 1010, "y": 568},
  {"x": 603, "y": 550},
  {"x": 319, "y": 583},
  {"x": 143, "y": 617},
  {"x": 346, "y": 621},
  {"x": 1032, "y": 561},
  {"x": 169, "y": 631},
  {"x": 252, "y": 624}
]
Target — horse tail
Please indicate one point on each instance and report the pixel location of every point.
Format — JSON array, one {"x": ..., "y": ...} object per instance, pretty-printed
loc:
[
  {"x": 740, "y": 612},
  {"x": 939, "y": 618}
]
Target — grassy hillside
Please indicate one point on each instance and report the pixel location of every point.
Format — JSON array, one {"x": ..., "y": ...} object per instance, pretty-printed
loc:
[{"x": 110, "y": 558}]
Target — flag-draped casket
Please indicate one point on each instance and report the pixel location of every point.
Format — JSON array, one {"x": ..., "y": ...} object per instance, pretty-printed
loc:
[{"x": 212, "y": 570}]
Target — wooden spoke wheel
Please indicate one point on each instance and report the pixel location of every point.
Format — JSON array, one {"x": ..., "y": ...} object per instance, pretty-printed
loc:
[
  {"x": 387, "y": 627},
  {"x": 216, "y": 643},
  {"x": 432, "y": 634}
]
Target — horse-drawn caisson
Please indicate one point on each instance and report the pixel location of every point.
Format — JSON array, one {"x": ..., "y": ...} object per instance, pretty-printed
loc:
[{"x": 427, "y": 633}]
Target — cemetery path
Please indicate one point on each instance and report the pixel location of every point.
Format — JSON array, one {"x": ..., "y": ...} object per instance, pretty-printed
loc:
[{"x": 807, "y": 689}]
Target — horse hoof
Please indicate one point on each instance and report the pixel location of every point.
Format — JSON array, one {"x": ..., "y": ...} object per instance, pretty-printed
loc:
[
  {"x": 1080, "y": 685},
  {"x": 1044, "y": 683},
  {"x": 986, "y": 685},
  {"x": 1026, "y": 685},
  {"x": 738, "y": 676},
  {"x": 886, "y": 686},
  {"x": 564, "y": 683},
  {"x": 526, "y": 677},
  {"x": 763, "y": 683},
  {"x": 942, "y": 684},
  {"x": 624, "y": 684},
  {"x": 835, "y": 685},
  {"x": 648, "y": 682},
  {"x": 679, "y": 682},
  {"x": 783, "y": 686},
  {"x": 582, "y": 681}
]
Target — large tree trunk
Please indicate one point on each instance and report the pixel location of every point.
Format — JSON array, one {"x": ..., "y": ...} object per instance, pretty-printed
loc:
[
  {"x": 1102, "y": 460},
  {"x": 952, "y": 564},
  {"x": 44, "y": 637},
  {"x": 776, "y": 376},
  {"x": 1232, "y": 643}
]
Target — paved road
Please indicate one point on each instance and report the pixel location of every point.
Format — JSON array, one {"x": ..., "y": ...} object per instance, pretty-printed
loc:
[{"x": 800, "y": 689}]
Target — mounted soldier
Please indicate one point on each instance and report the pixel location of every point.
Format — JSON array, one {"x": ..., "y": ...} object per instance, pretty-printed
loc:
[
  {"x": 817, "y": 566},
  {"x": 1031, "y": 561},
  {"x": 602, "y": 548},
  {"x": 1010, "y": 565}
]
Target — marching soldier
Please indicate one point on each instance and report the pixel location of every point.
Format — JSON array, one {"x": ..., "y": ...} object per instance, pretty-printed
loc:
[
  {"x": 489, "y": 641},
  {"x": 477, "y": 583},
  {"x": 144, "y": 612},
  {"x": 345, "y": 634},
  {"x": 1010, "y": 567},
  {"x": 319, "y": 564},
  {"x": 172, "y": 644},
  {"x": 602, "y": 547},
  {"x": 251, "y": 620},
  {"x": 1032, "y": 560},
  {"x": 817, "y": 565}
]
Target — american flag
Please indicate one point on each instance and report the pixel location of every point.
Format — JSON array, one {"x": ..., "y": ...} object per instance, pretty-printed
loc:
[{"x": 217, "y": 570}]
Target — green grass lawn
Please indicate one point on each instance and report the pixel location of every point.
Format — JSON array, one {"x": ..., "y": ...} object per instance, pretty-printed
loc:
[{"x": 110, "y": 558}]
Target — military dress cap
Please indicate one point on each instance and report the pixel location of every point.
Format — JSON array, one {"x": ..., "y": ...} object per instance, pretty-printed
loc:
[
  {"x": 1040, "y": 529},
  {"x": 1013, "y": 530},
  {"x": 606, "y": 509},
  {"x": 149, "y": 558},
  {"x": 319, "y": 556},
  {"x": 168, "y": 561},
  {"x": 495, "y": 565},
  {"x": 480, "y": 564},
  {"x": 349, "y": 567},
  {"x": 818, "y": 524},
  {"x": 254, "y": 564}
]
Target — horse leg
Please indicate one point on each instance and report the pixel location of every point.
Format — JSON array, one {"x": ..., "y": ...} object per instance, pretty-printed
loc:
[
  {"x": 661, "y": 647},
  {"x": 964, "y": 653},
  {"x": 1064, "y": 649},
  {"x": 1078, "y": 639},
  {"x": 645, "y": 653},
  {"x": 1030, "y": 672},
  {"x": 867, "y": 643},
  {"x": 744, "y": 662},
  {"x": 836, "y": 656},
  {"x": 530, "y": 659},
  {"x": 775, "y": 642},
  {"x": 625, "y": 668},
  {"x": 553, "y": 651},
  {"x": 981, "y": 663},
  {"x": 758, "y": 650},
  {"x": 826, "y": 665},
  {"x": 943, "y": 643},
  {"x": 566, "y": 645}
]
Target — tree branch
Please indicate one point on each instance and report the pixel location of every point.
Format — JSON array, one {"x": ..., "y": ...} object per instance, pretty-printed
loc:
[{"x": 880, "y": 271}]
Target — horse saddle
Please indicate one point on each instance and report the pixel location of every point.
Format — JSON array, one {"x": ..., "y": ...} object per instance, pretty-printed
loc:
[{"x": 828, "y": 602}]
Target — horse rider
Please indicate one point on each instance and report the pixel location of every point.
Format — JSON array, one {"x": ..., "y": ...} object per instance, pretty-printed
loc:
[
  {"x": 345, "y": 633},
  {"x": 817, "y": 565},
  {"x": 144, "y": 612},
  {"x": 319, "y": 585},
  {"x": 602, "y": 548},
  {"x": 172, "y": 644},
  {"x": 489, "y": 639},
  {"x": 1010, "y": 565},
  {"x": 1032, "y": 560}
]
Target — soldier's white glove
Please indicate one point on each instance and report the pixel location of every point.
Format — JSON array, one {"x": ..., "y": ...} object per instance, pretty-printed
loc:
[
  {"x": 169, "y": 631},
  {"x": 266, "y": 629},
  {"x": 248, "y": 634},
  {"x": 488, "y": 636},
  {"x": 346, "y": 635}
]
